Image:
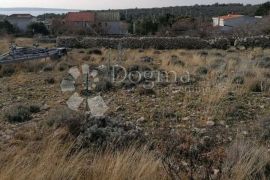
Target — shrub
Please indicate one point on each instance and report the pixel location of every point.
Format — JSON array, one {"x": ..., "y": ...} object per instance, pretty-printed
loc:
[
  {"x": 263, "y": 9},
  {"x": 176, "y": 61},
  {"x": 256, "y": 86},
  {"x": 64, "y": 117},
  {"x": 50, "y": 80},
  {"x": 18, "y": 113},
  {"x": 95, "y": 51},
  {"x": 7, "y": 70},
  {"x": 202, "y": 71},
  {"x": 34, "y": 108},
  {"x": 38, "y": 28},
  {"x": 238, "y": 80},
  {"x": 6, "y": 27},
  {"x": 62, "y": 67}
]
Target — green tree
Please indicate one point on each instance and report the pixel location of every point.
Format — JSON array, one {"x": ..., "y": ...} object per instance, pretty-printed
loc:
[
  {"x": 6, "y": 27},
  {"x": 38, "y": 28},
  {"x": 263, "y": 10}
]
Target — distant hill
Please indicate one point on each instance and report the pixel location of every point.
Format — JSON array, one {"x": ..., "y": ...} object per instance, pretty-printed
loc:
[
  {"x": 34, "y": 11},
  {"x": 206, "y": 11}
]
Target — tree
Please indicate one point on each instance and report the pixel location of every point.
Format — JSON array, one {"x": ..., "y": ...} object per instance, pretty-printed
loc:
[
  {"x": 6, "y": 27},
  {"x": 263, "y": 10},
  {"x": 38, "y": 28}
]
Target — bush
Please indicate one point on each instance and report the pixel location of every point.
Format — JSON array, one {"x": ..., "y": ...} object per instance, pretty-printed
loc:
[
  {"x": 34, "y": 108},
  {"x": 64, "y": 117},
  {"x": 238, "y": 80},
  {"x": 6, "y": 27},
  {"x": 18, "y": 113},
  {"x": 257, "y": 86},
  {"x": 263, "y": 10},
  {"x": 95, "y": 51},
  {"x": 7, "y": 70},
  {"x": 38, "y": 28},
  {"x": 176, "y": 61},
  {"x": 202, "y": 71},
  {"x": 50, "y": 80},
  {"x": 62, "y": 67}
]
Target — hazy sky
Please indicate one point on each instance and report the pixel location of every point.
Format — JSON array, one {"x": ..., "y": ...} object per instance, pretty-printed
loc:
[{"x": 113, "y": 4}]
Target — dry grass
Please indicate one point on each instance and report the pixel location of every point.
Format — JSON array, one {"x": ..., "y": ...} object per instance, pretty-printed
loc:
[
  {"x": 246, "y": 160},
  {"x": 53, "y": 160}
]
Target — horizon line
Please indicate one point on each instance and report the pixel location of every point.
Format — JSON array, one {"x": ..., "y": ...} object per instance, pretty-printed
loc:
[{"x": 124, "y": 8}]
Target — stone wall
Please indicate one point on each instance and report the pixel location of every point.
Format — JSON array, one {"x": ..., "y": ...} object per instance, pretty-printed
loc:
[{"x": 162, "y": 42}]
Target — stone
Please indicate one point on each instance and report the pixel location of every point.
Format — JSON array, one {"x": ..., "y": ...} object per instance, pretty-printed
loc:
[
  {"x": 67, "y": 85},
  {"x": 85, "y": 69},
  {"x": 45, "y": 107},
  {"x": 74, "y": 72},
  {"x": 97, "y": 106},
  {"x": 141, "y": 120},
  {"x": 210, "y": 123},
  {"x": 74, "y": 102},
  {"x": 186, "y": 119}
]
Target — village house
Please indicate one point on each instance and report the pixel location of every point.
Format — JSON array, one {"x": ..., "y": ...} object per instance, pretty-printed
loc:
[
  {"x": 21, "y": 21},
  {"x": 80, "y": 20},
  {"x": 230, "y": 21},
  {"x": 101, "y": 22},
  {"x": 110, "y": 23}
]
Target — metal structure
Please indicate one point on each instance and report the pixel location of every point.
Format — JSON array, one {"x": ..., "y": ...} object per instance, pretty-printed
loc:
[{"x": 20, "y": 54}]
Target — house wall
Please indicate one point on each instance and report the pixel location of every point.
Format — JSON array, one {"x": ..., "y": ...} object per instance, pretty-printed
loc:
[
  {"x": 20, "y": 23},
  {"x": 115, "y": 28},
  {"x": 218, "y": 22},
  {"x": 80, "y": 24}
]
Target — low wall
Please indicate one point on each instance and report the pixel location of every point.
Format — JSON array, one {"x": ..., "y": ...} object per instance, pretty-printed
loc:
[{"x": 162, "y": 42}]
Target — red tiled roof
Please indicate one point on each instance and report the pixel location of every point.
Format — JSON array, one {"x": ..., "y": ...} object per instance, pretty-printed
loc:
[{"x": 80, "y": 17}]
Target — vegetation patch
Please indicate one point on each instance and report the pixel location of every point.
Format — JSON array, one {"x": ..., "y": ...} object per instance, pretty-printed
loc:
[{"x": 18, "y": 114}]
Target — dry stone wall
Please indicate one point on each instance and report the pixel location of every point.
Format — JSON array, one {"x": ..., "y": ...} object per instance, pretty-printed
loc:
[{"x": 163, "y": 42}]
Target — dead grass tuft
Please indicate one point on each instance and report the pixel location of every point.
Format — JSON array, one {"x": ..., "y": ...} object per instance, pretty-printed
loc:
[
  {"x": 53, "y": 160},
  {"x": 246, "y": 160}
]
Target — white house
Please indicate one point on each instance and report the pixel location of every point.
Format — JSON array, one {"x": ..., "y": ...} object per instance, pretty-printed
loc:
[
  {"x": 230, "y": 21},
  {"x": 21, "y": 21}
]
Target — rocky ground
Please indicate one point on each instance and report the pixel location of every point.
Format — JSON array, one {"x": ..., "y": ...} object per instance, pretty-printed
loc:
[{"x": 190, "y": 123}]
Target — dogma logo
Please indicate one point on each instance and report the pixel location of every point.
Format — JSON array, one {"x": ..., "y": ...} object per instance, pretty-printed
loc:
[{"x": 71, "y": 82}]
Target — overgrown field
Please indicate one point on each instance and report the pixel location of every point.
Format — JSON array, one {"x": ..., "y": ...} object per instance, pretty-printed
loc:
[{"x": 199, "y": 114}]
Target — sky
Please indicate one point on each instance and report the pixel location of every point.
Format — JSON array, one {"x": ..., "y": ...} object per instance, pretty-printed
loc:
[{"x": 113, "y": 4}]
